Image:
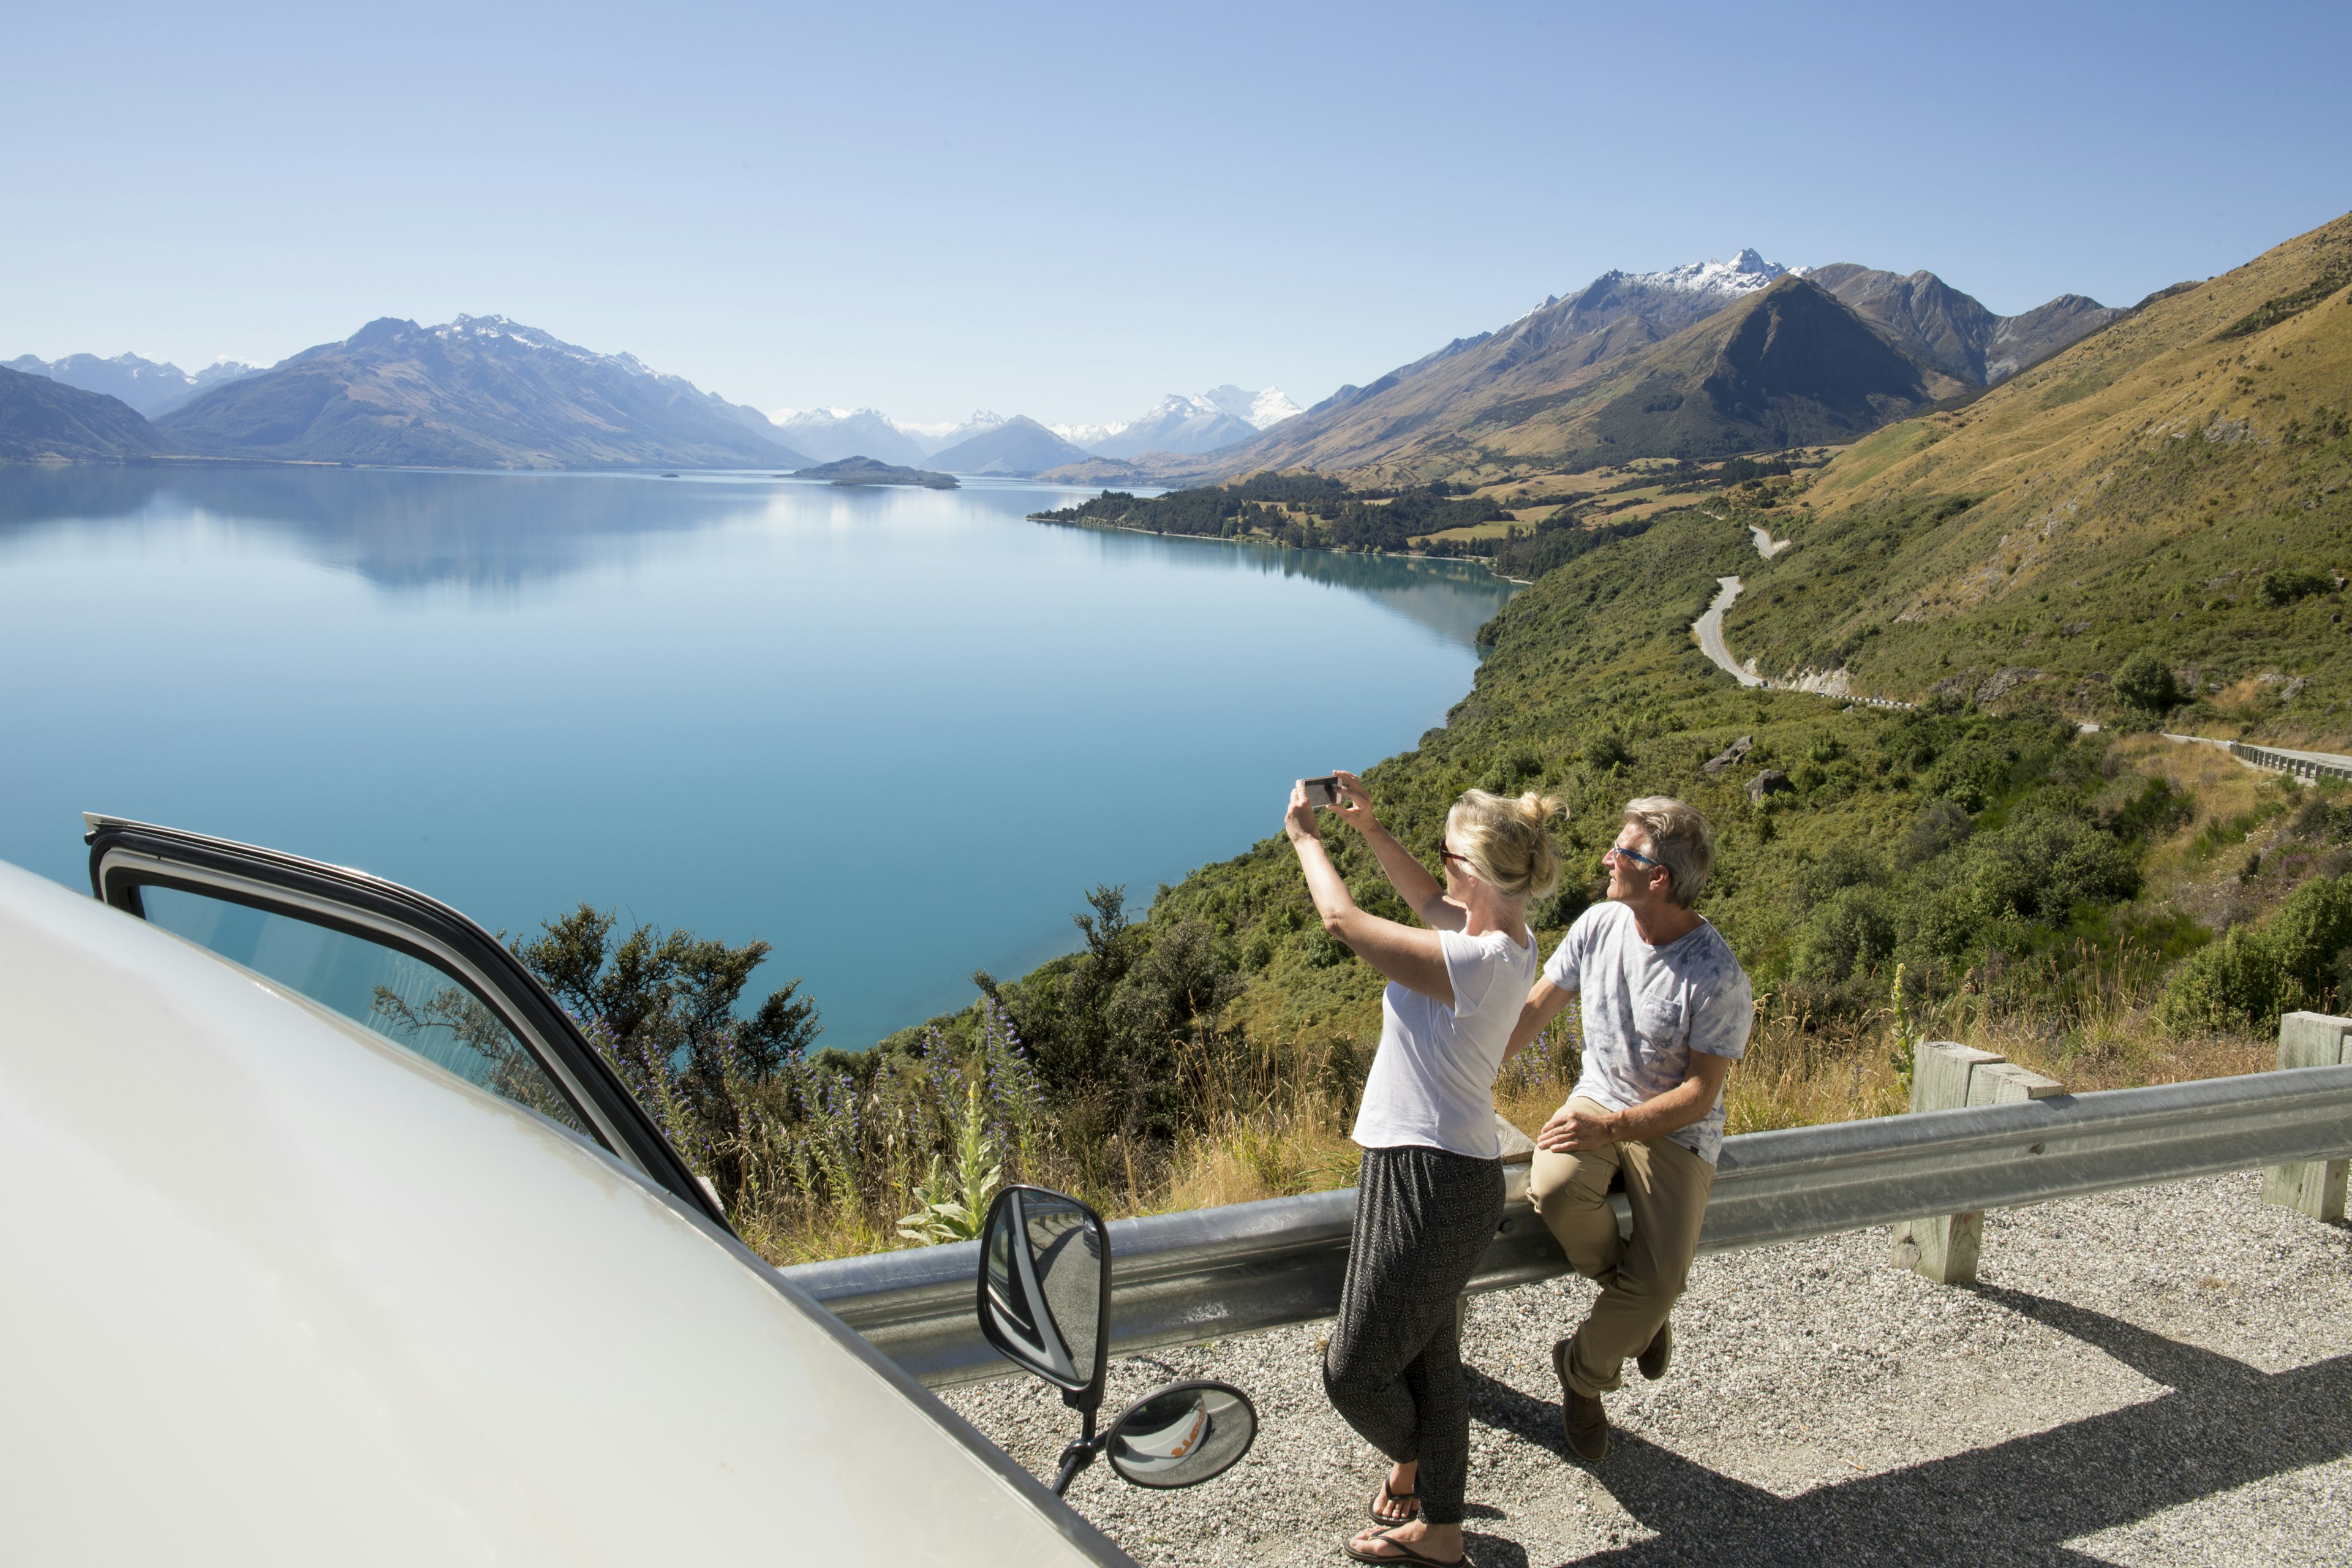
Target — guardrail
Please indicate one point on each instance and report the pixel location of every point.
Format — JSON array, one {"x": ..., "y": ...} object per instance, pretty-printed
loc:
[
  {"x": 1184, "y": 1277},
  {"x": 2312, "y": 765}
]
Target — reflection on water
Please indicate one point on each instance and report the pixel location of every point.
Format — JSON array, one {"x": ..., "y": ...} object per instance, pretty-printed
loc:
[
  {"x": 896, "y": 732},
  {"x": 1451, "y": 598},
  {"x": 397, "y": 529}
]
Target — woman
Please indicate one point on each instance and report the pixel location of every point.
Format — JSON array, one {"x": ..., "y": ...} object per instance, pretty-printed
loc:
[{"x": 1431, "y": 1190}]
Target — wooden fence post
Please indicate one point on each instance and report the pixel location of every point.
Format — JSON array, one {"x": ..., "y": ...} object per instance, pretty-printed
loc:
[
  {"x": 1947, "y": 1077},
  {"x": 2314, "y": 1187}
]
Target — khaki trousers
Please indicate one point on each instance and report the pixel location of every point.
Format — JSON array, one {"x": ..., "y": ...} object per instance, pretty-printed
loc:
[{"x": 1666, "y": 1186}]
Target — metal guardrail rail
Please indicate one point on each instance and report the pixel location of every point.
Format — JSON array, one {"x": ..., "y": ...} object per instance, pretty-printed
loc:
[
  {"x": 2310, "y": 765},
  {"x": 1184, "y": 1277}
]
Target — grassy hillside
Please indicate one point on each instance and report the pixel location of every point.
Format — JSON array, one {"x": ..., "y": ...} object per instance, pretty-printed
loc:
[{"x": 2175, "y": 484}]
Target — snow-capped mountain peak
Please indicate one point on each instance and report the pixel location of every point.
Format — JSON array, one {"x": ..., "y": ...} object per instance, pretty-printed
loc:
[
  {"x": 1265, "y": 408},
  {"x": 1743, "y": 274}
]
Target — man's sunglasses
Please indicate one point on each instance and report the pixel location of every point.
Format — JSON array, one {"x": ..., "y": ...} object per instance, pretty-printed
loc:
[{"x": 1634, "y": 854}]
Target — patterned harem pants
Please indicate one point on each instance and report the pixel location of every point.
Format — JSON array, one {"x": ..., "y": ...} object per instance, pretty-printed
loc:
[{"x": 1424, "y": 1218}]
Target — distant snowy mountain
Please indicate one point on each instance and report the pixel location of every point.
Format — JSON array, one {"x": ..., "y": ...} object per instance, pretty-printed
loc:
[
  {"x": 1263, "y": 408},
  {"x": 829, "y": 435},
  {"x": 1185, "y": 424},
  {"x": 1177, "y": 422},
  {"x": 937, "y": 439},
  {"x": 151, "y": 386},
  {"x": 1014, "y": 445}
]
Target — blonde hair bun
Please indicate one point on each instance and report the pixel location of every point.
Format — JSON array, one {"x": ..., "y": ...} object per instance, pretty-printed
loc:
[{"x": 1508, "y": 842}]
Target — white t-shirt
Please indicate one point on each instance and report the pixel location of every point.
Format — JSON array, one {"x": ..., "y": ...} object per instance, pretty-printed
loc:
[
  {"x": 1648, "y": 1008},
  {"x": 1432, "y": 1080}
]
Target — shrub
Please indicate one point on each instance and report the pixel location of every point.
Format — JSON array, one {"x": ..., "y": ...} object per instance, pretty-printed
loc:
[
  {"x": 2144, "y": 681},
  {"x": 2158, "y": 809},
  {"x": 2310, "y": 933},
  {"x": 1839, "y": 866},
  {"x": 2293, "y": 959},
  {"x": 2042, "y": 864},
  {"x": 2285, "y": 586},
  {"x": 1605, "y": 752},
  {"x": 1852, "y": 933},
  {"x": 2238, "y": 981},
  {"x": 1939, "y": 826}
]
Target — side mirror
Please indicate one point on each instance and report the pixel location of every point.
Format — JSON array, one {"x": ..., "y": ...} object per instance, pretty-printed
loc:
[
  {"x": 1182, "y": 1434},
  {"x": 1044, "y": 1304},
  {"x": 1044, "y": 1289}
]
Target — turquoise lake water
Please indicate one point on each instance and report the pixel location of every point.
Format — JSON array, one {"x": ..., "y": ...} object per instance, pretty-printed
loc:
[{"x": 897, "y": 733}]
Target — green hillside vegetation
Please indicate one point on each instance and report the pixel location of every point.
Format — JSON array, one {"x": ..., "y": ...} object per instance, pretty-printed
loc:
[{"x": 2175, "y": 486}]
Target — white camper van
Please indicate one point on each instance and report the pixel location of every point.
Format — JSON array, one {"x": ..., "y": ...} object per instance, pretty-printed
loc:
[{"x": 286, "y": 1280}]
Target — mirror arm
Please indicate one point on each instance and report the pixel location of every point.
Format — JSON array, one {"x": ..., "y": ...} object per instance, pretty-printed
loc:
[{"x": 1079, "y": 1454}]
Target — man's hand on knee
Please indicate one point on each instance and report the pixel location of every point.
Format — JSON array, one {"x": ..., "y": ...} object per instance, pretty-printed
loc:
[{"x": 1574, "y": 1128}]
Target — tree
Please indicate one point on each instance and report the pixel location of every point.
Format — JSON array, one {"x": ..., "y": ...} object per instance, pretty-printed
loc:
[{"x": 664, "y": 1006}]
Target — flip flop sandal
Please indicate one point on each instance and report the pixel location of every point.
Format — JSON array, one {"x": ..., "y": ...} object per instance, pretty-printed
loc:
[
  {"x": 1410, "y": 1500},
  {"x": 1403, "y": 1554}
]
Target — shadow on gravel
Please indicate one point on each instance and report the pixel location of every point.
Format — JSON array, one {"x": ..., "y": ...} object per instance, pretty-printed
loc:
[{"x": 2223, "y": 1425}]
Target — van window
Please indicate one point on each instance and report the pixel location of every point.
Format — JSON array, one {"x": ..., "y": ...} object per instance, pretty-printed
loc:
[{"x": 400, "y": 997}]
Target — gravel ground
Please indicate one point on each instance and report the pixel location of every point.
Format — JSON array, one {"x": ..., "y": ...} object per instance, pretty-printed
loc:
[{"x": 2160, "y": 1376}]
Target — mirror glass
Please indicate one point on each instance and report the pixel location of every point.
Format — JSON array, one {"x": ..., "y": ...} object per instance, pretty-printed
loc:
[
  {"x": 1182, "y": 1434},
  {"x": 1042, "y": 1284}
]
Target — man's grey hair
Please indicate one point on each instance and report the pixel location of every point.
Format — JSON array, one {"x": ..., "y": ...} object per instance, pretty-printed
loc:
[{"x": 1680, "y": 840}]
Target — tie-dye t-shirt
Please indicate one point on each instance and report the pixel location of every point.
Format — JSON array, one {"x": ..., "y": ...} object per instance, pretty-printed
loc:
[{"x": 1648, "y": 1008}]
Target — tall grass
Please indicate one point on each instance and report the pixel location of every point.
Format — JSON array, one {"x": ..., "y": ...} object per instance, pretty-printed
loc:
[{"x": 831, "y": 1169}]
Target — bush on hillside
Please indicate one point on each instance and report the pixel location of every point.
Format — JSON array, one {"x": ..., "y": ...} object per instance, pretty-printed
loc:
[
  {"x": 2295, "y": 959},
  {"x": 1852, "y": 933},
  {"x": 1940, "y": 826},
  {"x": 2285, "y": 586},
  {"x": 2146, "y": 682}
]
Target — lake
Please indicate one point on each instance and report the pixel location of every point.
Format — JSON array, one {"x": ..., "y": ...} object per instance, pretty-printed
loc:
[{"x": 897, "y": 733}]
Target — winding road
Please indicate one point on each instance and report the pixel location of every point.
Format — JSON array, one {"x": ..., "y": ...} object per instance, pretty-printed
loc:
[{"x": 1709, "y": 630}]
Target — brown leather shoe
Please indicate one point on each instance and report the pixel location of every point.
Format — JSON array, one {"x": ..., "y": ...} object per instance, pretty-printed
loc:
[
  {"x": 1582, "y": 1421},
  {"x": 1659, "y": 1353}
]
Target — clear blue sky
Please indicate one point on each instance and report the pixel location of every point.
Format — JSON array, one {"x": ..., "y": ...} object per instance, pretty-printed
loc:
[{"x": 1069, "y": 211}]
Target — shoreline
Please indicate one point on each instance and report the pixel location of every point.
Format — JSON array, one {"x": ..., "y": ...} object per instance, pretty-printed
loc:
[{"x": 1265, "y": 544}]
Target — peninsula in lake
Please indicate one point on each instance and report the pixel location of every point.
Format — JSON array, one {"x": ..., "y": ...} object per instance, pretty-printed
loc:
[{"x": 867, "y": 471}]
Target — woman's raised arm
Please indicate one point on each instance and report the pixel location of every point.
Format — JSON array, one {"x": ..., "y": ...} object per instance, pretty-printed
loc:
[
  {"x": 1422, "y": 892},
  {"x": 1414, "y": 959}
]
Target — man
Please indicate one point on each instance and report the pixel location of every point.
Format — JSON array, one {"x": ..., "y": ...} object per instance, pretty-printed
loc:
[{"x": 1666, "y": 1012}]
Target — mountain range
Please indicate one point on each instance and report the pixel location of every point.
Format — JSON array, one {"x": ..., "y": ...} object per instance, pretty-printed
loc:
[
  {"x": 148, "y": 386},
  {"x": 1701, "y": 361},
  {"x": 1693, "y": 362},
  {"x": 1186, "y": 424},
  {"x": 1182, "y": 423},
  {"x": 47, "y": 421},
  {"x": 480, "y": 392},
  {"x": 1019, "y": 446},
  {"x": 830, "y": 435}
]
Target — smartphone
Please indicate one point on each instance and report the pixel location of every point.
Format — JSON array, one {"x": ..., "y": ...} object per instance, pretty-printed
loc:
[{"x": 1323, "y": 792}]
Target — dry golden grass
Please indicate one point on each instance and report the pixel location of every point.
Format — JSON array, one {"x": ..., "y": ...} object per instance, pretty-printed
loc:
[{"x": 1276, "y": 1119}]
